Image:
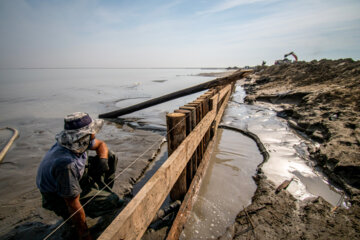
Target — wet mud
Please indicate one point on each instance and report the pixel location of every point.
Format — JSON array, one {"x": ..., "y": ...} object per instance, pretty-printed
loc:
[
  {"x": 21, "y": 212},
  {"x": 35, "y": 102},
  {"x": 320, "y": 101}
]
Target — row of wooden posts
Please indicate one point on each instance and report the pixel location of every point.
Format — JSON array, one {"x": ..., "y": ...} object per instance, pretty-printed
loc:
[
  {"x": 191, "y": 131},
  {"x": 179, "y": 125}
]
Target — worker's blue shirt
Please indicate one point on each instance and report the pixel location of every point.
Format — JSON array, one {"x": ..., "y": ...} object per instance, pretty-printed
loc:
[{"x": 60, "y": 171}]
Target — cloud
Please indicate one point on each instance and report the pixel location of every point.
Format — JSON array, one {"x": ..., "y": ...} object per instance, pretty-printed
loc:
[
  {"x": 229, "y": 4},
  {"x": 172, "y": 33}
]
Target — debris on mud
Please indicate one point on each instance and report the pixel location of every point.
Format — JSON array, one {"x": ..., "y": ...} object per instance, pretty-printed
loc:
[
  {"x": 321, "y": 101},
  {"x": 281, "y": 216}
]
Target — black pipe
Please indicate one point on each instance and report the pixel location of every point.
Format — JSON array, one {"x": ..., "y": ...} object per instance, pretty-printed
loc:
[{"x": 174, "y": 95}]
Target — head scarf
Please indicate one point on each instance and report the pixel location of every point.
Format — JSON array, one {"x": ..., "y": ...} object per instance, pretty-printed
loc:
[{"x": 78, "y": 128}]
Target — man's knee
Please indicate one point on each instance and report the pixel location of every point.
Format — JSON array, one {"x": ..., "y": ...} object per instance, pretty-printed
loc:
[
  {"x": 102, "y": 204},
  {"x": 56, "y": 204}
]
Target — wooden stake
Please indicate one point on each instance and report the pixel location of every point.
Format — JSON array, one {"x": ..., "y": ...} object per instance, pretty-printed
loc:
[
  {"x": 189, "y": 166},
  {"x": 193, "y": 125},
  {"x": 176, "y": 124}
]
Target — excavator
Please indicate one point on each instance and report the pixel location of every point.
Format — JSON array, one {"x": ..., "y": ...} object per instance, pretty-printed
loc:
[{"x": 286, "y": 60}]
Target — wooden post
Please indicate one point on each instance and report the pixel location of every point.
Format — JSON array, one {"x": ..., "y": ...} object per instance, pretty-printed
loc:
[
  {"x": 206, "y": 104},
  {"x": 134, "y": 219},
  {"x": 193, "y": 125},
  {"x": 186, "y": 206},
  {"x": 189, "y": 166},
  {"x": 176, "y": 124},
  {"x": 204, "y": 110},
  {"x": 199, "y": 116}
]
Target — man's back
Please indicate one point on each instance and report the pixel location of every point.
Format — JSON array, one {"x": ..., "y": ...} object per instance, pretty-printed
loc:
[{"x": 59, "y": 161}]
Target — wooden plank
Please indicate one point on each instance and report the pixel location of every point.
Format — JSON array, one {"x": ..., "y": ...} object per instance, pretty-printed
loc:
[
  {"x": 134, "y": 219},
  {"x": 190, "y": 197}
]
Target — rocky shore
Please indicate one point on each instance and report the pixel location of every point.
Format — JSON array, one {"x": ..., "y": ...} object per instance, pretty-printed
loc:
[{"x": 321, "y": 101}]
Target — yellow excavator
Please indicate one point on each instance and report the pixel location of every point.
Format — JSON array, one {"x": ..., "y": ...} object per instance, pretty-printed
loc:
[{"x": 286, "y": 60}]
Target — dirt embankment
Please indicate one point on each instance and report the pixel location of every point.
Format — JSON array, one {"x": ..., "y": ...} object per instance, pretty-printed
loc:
[{"x": 321, "y": 100}]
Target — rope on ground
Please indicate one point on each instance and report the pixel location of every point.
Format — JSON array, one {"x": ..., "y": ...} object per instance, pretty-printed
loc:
[
  {"x": 10, "y": 142},
  {"x": 106, "y": 186}
]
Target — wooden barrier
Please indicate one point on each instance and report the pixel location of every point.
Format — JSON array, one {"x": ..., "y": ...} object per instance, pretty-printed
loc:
[
  {"x": 190, "y": 197},
  {"x": 134, "y": 219}
]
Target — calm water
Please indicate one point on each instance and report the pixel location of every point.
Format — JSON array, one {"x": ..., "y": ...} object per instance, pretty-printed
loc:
[
  {"x": 226, "y": 187},
  {"x": 35, "y": 101}
]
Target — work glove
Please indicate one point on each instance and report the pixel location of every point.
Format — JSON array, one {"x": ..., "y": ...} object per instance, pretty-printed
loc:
[{"x": 103, "y": 164}]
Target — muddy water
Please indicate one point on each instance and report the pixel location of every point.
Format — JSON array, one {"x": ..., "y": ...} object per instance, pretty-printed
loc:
[
  {"x": 288, "y": 151},
  {"x": 35, "y": 101},
  {"x": 226, "y": 188}
]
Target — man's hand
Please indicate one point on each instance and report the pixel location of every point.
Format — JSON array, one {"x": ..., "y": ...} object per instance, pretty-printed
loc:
[
  {"x": 103, "y": 164},
  {"x": 79, "y": 218}
]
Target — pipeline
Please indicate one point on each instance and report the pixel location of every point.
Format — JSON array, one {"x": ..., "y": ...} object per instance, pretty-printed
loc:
[{"x": 10, "y": 142}]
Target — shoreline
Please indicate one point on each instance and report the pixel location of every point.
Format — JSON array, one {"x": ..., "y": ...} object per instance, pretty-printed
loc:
[{"x": 297, "y": 88}]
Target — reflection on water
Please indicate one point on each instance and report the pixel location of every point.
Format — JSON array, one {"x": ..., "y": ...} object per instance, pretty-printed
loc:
[
  {"x": 226, "y": 187},
  {"x": 35, "y": 102},
  {"x": 288, "y": 152}
]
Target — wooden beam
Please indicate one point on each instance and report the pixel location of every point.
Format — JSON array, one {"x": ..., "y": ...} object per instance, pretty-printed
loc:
[
  {"x": 134, "y": 219},
  {"x": 190, "y": 197}
]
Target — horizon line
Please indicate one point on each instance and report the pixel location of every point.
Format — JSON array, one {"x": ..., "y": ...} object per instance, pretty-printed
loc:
[{"x": 29, "y": 68}]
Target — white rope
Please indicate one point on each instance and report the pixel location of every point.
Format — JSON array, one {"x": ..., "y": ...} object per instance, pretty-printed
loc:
[{"x": 106, "y": 186}]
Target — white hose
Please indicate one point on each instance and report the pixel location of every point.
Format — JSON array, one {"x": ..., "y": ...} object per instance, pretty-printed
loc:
[{"x": 10, "y": 142}]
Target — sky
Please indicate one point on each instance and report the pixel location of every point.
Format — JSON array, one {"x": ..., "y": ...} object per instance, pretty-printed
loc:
[{"x": 174, "y": 33}]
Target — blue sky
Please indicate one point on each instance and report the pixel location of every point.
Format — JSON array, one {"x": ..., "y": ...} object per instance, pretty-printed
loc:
[{"x": 175, "y": 33}]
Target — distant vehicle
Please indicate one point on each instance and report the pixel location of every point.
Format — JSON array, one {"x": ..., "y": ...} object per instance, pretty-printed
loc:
[{"x": 286, "y": 60}]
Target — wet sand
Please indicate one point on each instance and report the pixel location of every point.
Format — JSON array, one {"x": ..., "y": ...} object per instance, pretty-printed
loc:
[{"x": 317, "y": 100}]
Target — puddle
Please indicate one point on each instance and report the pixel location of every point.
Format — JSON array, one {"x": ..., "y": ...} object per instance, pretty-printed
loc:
[
  {"x": 288, "y": 152},
  {"x": 226, "y": 187}
]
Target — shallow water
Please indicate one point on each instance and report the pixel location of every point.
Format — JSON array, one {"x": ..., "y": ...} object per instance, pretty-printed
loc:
[
  {"x": 226, "y": 187},
  {"x": 289, "y": 157},
  {"x": 35, "y": 102}
]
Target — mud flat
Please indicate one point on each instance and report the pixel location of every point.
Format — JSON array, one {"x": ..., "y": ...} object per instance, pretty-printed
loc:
[
  {"x": 22, "y": 215},
  {"x": 321, "y": 101}
]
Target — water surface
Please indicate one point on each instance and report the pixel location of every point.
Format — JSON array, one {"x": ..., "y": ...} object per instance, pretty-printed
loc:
[{"x": 226, "y": 187}]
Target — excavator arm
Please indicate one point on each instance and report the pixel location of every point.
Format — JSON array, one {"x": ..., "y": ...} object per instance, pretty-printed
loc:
[{"x": 293, "y": 54}]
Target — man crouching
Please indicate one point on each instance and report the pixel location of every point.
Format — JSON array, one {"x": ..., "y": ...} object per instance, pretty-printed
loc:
[{"x": 67, "y": 178}]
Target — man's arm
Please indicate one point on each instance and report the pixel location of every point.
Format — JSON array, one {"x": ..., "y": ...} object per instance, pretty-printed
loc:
[
  {"x": 100, "y": 148},
  {"x": 79, "y": 218}
]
